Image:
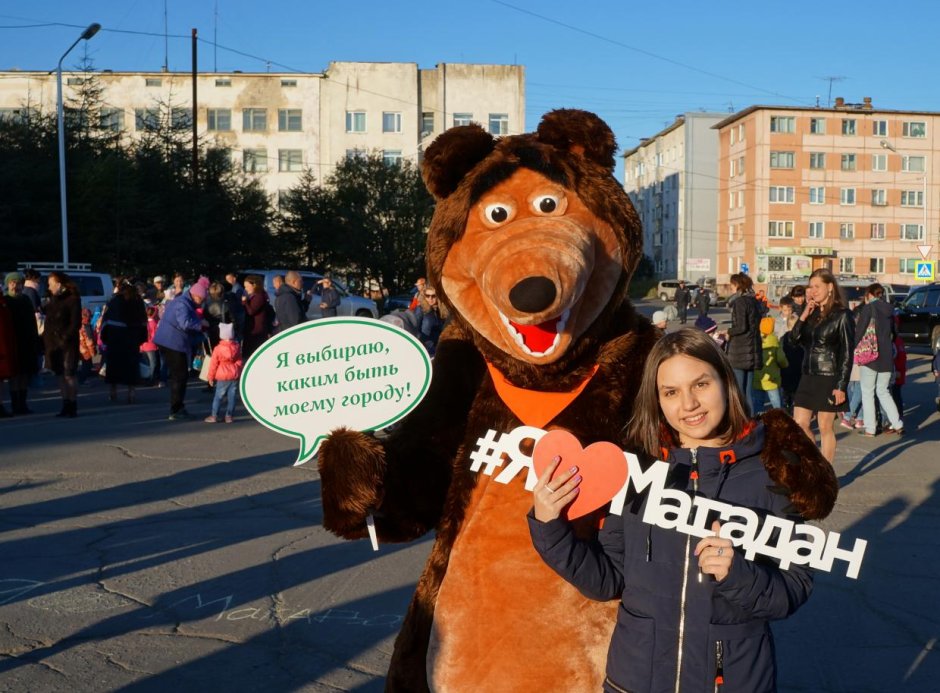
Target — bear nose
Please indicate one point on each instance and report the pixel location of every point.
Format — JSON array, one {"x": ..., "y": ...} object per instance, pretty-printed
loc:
[{"x": 532, "y": 294}]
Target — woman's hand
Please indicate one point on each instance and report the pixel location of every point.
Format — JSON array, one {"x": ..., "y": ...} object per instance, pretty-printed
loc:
[
  {"x": 551, "y": 496},
  {"x": 715, "y": 554},
  {"x": 838, "y": 397},
  {"x": 810, "y": 307}
]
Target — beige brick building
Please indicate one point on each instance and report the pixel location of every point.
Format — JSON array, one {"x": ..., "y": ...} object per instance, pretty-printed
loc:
[
  {"x": 277, "y": 124},
  {"x": 850, "y": 187}
]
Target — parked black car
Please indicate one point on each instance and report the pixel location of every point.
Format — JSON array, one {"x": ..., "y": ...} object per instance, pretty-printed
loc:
[{"x": 919, "y": 317}]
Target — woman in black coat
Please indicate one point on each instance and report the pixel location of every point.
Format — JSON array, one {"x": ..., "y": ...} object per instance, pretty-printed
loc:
[
  {"x": 124, "y": 329},
  {"x": 744, "y": 340},
  {"x": 27, "y": 342},
  {"x": 217, "y": 309},
  {"x": 60, "y": 337},
  {"x": 826, "y": 332}
]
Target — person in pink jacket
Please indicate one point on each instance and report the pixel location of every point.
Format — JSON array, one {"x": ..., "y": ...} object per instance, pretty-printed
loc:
[{"x": 224, "y": 371}]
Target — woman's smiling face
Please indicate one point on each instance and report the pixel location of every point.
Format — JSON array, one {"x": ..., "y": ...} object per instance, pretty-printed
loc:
[{"x": 693, "y": 400}]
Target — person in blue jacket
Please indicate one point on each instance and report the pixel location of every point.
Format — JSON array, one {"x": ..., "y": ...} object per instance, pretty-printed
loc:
[
  {"x": 177, "y": 334},
  {"x": 693, "y": 613}
]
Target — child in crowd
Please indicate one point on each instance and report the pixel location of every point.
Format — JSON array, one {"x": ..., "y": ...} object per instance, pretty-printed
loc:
[
  {"x": 86, "y": 347},
  {"x": 224, "y": 371},
  {"x": 900, "y": 370},
  {"x": 710, "y": 327},
  {"x": 767, "y": 379},
  {"x": 791, "y": 373},
  {"x": 853, "y": 417},
  {"x": 148, "y": 348},
  {"x": 690, "y": 411}
]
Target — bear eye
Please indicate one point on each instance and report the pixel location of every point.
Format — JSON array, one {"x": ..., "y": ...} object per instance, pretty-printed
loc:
[
  {"x": 496, "y": 213},
  {"x": 546, "y": 204}
]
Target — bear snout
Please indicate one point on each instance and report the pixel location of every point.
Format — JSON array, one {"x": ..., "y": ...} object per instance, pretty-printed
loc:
[{"x": 533, "y": 294}]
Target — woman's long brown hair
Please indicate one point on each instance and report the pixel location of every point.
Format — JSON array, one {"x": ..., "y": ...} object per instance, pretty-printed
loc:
[{"x": 648, "y": 429}]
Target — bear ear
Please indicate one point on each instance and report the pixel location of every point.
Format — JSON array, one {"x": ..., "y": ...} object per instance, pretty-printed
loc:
[
  {"x": 452, "y": 155},
  {"x": 579, "y": 132}
]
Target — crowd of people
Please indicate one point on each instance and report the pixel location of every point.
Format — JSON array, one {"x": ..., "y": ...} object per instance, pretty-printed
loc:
[
  {"x": 815, "y": 358},
  {"x": 157, "y": 333}
]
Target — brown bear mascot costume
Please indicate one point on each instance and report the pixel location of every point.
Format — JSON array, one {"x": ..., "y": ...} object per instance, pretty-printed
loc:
[{"x": 532, "y": 246}]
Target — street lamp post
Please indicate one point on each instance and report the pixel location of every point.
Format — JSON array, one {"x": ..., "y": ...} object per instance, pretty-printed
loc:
[
  {"x": 86, "y": 35},
  {"x": 887, "y": 145}
]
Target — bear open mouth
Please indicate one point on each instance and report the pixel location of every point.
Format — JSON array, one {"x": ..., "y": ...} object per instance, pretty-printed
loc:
[{"x": 540, "y": 339}]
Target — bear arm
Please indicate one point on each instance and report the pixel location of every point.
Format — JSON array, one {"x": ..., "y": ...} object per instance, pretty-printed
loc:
[{"x": 796, "y": 465}]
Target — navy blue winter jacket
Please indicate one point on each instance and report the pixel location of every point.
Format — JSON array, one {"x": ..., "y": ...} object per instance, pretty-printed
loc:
[{"x": 672, "y": 622}]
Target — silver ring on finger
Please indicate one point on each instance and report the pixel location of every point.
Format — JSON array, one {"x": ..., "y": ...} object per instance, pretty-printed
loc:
[
  {"x": 720, "y": 550},
  {"x": 550, "y": 489}
]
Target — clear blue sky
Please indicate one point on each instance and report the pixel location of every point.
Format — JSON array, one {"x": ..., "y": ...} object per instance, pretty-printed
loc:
[{"x": 636, "y": 64}]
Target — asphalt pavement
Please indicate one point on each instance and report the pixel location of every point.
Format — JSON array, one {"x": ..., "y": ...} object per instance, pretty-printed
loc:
[{"x": 139, "y": 554}]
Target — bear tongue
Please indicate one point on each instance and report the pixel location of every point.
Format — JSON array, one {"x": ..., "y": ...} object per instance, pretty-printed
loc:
[{"x": 539, "y": 337}]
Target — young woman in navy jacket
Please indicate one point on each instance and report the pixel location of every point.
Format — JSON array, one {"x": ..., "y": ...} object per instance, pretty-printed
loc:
[{"x": 693, "y": 614}]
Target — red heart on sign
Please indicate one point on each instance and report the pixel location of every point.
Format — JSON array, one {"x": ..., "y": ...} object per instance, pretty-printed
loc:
[{"x": 602, "y": 467}]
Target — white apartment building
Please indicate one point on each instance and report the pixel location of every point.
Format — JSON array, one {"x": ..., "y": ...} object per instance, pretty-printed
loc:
[
  {"x": 277, "y": 124},
  {"x": 671, "y": 179}
]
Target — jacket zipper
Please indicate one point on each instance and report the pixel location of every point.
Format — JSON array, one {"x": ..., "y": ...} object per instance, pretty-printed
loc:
[
  {"x": 719, "y": 666},
  {"x": 693, "y": 475},
  {"x": 615, "y": 686}
]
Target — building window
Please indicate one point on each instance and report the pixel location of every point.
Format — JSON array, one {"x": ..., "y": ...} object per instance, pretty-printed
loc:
[
  {"x": 817, "y": 195},
  {"x": 499, "y": 123},
  {"x": 879, "y": 128},
  {"x": 846, "y": 265},
  {"x": 781, "y": 160},
  {"x": 391, "y": 157},
  {"x": 779, "y": 263},
  {"x": 224, "y": 82},
  {"x": 908, "y": 265},
  {"x": 219, "y": 119},
  {"x": 914, "y": 128},
  {"x": 741, "y": 132},
  {"x": 76, "y": 81},
  {"x": 732, "y": 167},
  {"x": 153, "y": 81},
  {"x": 878, "y": 231},
  {"x": 848, "y": 162},
  {"x": 733, "y": 135},
  {"x": 111, "y": 119},
  {"x": 181, "y": 118},
  {"x": 912, "y": 232},
  {"x": 817, "y": 160},
  {"x": 355, "y": 121},
  {"x": 730, "y": 200},
  {"x": 817, "y": 229},
  {"x": 391, "y": 121},
  {"x": 462, "y": 119},
  {"x": 782, "y": 123},
  {"x": 913, "y": 164},
  {"x": 427, "y": 123},
  {"x": 147, "y": 119},
  {"x": 740, "y": 199},
  {"x": 780, "y": 229},
  {"x": 740, "y": 165},
  {"x": 290, "y": 160},
  {"x": 848, "y": 126},
  {"x": 781, "y": 194},
  {"x": 255, "y": 160},
  {"x": 290, "y": 119},
  {"x": 879, "y": 162},
  {"x": 879, "y": 197},
  {"x": 288, "y": 82},
  {"x": 847, "y": 231},
  {"x": 912, "y": 198},
  {"x": 847, "y": 196},
  {"x": 817, "y": 126},
  {"x": 254, "y": 119},
  {"x": 355, "y": 154},
  {"x": 876, "y": 265}
]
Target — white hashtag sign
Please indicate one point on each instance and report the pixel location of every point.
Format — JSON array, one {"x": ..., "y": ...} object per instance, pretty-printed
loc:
[{"x": 493, "y": 449}]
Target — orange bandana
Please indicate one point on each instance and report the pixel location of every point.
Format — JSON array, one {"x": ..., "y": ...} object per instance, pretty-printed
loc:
[{"x": 532, "y": 407}]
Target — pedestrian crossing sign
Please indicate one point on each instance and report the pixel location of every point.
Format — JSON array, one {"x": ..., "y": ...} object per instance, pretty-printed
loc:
[{"x": 924, "y": 270}]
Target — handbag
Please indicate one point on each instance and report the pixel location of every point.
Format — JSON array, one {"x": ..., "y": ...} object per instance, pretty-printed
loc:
[
  {"x": 867, "y": 349},
  {"x": 206, "y": 362}
]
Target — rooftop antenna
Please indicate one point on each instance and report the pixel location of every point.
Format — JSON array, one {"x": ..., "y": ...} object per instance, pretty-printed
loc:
[
  {"x": 166, "y": 40},
  {"x": 831, "y": 79},
  {"x": 215, "y": 39}
]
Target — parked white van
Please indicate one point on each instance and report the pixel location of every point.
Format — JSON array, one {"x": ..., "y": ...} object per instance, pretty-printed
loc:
[{"x": 95, "y": 288}]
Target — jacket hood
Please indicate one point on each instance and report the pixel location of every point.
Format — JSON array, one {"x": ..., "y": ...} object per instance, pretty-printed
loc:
[{"x": 770, "y": 341}]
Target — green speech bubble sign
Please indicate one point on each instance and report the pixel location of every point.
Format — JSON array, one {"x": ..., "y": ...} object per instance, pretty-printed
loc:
[{"x": 360, "y": 373}]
